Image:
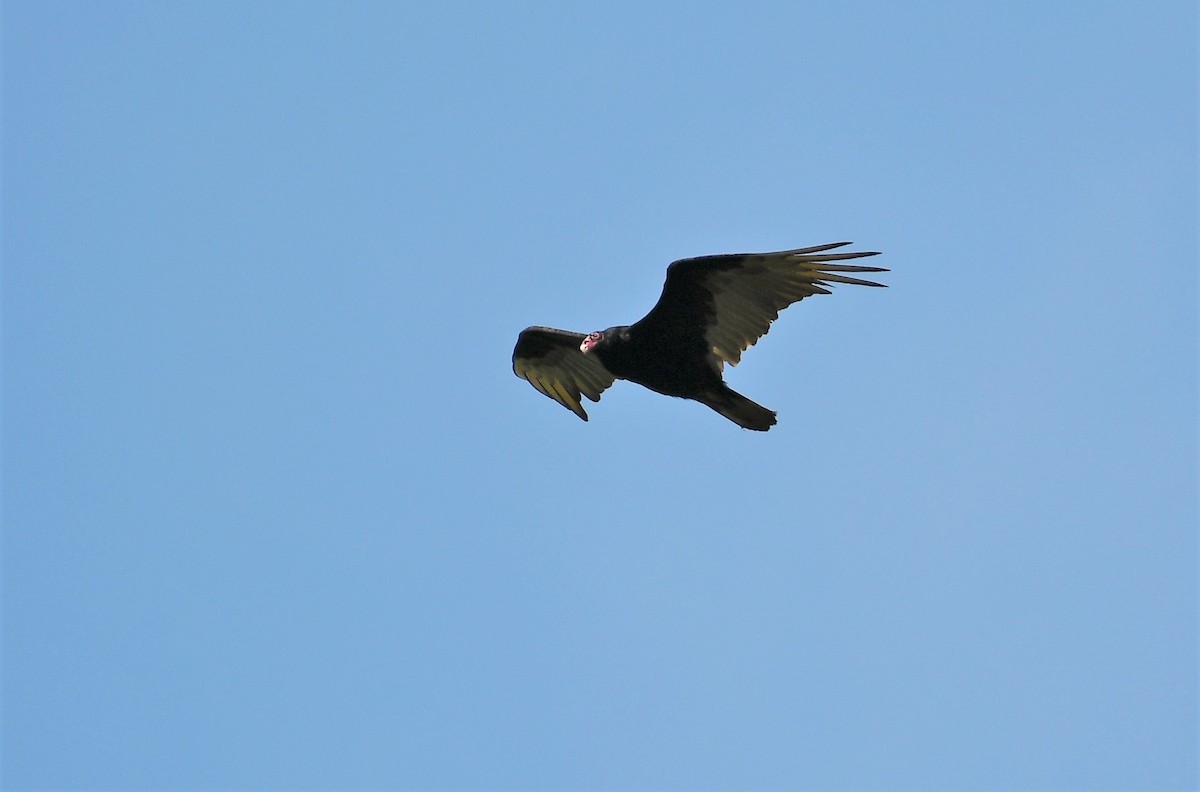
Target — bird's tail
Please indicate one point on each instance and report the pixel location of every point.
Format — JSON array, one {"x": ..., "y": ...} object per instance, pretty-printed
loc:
[{"x": 739, "y": 409}]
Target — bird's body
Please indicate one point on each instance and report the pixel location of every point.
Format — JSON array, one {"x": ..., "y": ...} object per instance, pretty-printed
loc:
[
  {"x": 670, "y": 366},
  {"x": 711, "y": 310}
]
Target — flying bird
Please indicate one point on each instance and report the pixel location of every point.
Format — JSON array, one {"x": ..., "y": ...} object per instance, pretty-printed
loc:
[{"x": 712, "y": 309}]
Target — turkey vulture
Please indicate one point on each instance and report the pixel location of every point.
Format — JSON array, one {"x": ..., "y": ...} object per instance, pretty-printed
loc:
[{"x": 712, "y": 309}]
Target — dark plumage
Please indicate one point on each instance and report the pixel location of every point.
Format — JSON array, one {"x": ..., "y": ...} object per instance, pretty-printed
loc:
[{"x": 711, "y": 310}]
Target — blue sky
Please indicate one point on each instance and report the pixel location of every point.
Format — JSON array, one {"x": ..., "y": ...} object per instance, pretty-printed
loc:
[{"x": 277, "y": 514}]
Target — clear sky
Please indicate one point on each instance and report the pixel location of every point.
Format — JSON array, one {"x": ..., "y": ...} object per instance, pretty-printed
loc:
[{"x": 278, "y": 515}]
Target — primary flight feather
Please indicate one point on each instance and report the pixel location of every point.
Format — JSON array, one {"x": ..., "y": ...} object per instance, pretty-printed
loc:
[{"x": 711, "y": 310}]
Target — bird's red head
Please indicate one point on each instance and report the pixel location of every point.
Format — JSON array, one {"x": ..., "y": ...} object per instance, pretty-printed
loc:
[{"x": 590, "y": 342}]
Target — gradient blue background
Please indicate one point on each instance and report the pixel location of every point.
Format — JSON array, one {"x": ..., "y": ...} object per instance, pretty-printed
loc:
[{"x": 277, "y": 514}]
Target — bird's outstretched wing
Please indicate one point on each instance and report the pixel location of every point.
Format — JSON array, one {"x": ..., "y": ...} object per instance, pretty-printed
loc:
[
  {"x": 731, "y": 300},
  {"x": 552, "y": 362}
]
